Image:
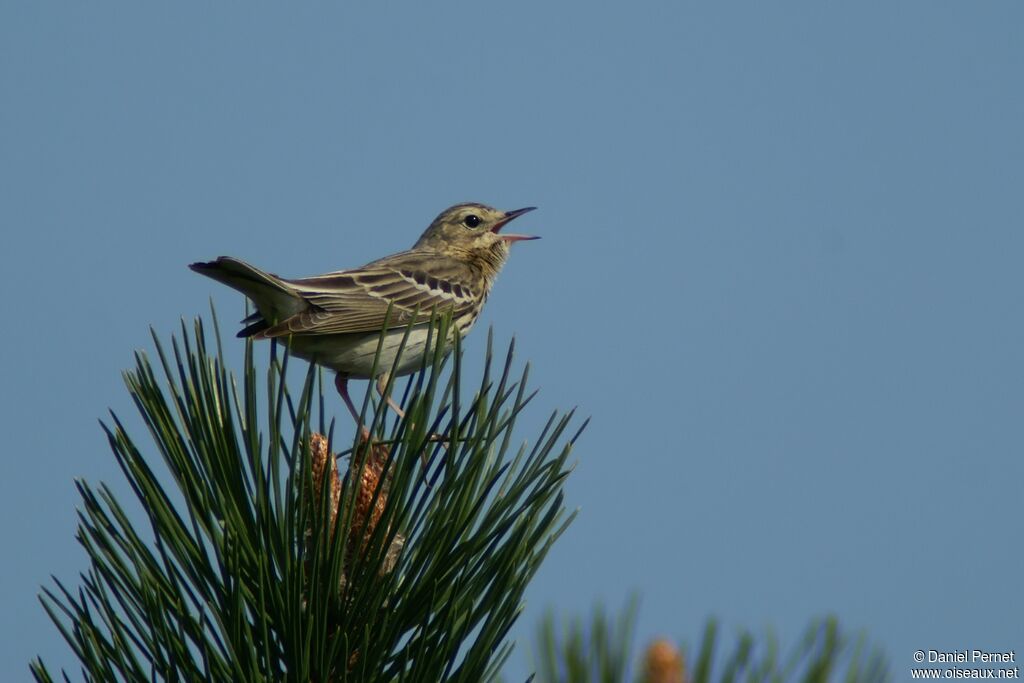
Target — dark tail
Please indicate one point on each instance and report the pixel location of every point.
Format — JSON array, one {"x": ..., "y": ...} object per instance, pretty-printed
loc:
[{"x": 272, "y": 297}]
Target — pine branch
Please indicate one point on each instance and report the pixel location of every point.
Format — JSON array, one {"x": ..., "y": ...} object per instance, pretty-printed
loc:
[{"x": 264, "y": 561}]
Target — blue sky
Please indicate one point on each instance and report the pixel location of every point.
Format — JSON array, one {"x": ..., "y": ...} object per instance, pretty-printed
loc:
[{"x": 781, "y": 269}]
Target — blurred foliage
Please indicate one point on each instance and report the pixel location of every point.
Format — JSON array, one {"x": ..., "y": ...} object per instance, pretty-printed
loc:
[{"x": 602, "y": 651}]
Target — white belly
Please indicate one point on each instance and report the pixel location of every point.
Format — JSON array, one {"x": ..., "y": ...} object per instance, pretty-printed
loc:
[{"x": 353, "y": 355}]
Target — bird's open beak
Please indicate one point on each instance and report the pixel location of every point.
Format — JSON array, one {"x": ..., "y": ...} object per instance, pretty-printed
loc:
[{"x": 508, "y": 217}]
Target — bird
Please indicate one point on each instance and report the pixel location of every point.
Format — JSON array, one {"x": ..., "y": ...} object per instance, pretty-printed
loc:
[{"x": 335, "y": 320}]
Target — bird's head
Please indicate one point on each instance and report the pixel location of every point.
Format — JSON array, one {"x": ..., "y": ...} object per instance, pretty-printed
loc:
[{"x": 473, "y": 230}]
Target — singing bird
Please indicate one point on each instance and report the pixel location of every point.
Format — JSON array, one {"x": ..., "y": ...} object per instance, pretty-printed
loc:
[{"x": 335, "y": 320}]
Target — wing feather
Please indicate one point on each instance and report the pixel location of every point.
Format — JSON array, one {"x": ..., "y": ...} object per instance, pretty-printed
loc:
[{"x": 357, "y": 300}]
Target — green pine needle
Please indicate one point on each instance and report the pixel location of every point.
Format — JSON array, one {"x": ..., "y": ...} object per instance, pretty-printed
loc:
[{"x": 229, "y": 566}]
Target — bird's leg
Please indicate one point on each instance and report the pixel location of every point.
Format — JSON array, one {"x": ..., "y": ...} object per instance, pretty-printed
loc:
[
  {"x": 382, "y": 383},
  {"x": 341, "y": 384}
]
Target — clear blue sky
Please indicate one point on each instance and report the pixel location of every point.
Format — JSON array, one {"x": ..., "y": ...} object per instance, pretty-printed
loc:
[{"x": 781, "y": 268}]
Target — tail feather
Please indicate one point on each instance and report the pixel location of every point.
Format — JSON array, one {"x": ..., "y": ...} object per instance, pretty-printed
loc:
[
  {"x": 253, "y": 329},
  {"x": 240, "y": 275},
  {"x": 273, "y": 298}
]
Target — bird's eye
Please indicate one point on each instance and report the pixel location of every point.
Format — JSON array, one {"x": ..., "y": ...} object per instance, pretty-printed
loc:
[{"x": 471, "y": 221}]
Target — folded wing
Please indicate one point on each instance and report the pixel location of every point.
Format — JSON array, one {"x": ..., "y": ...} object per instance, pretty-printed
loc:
[{"x": 414, "y": 285}]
